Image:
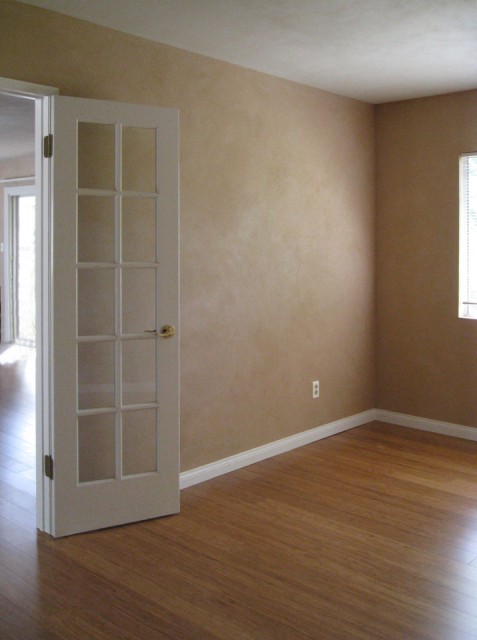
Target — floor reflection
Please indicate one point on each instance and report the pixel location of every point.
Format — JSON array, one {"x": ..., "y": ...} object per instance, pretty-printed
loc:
[{"x": 17, "y": 435}]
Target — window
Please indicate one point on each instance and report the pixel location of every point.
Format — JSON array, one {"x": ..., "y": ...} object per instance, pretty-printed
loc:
[
  {"x": 468, "y": 237},
  {"x": 19, "y": 265}
]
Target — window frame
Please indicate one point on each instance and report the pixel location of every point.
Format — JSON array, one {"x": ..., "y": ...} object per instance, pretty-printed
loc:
[{"x": 467, "y": 307}]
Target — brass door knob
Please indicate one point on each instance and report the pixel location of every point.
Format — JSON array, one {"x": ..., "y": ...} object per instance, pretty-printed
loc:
[{"x": 167, "y": 331}]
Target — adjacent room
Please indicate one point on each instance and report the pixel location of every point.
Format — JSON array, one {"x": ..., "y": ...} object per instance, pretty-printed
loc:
[
  {"x": 328, "y": 345},
  {"x": 17, "y": 304}
]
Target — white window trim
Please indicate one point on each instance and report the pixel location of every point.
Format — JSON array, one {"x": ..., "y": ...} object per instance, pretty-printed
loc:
[{"x": 466, "y": 310}]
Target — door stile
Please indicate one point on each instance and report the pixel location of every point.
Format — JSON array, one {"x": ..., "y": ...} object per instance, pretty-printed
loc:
[{"x": 119, "y": 300}]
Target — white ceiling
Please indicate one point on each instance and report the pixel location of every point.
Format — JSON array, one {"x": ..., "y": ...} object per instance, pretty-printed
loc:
[{"x": 372, "y": 50}]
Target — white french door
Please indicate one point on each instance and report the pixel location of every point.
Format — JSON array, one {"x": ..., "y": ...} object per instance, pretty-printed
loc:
[{"x": 114, "y": 384}]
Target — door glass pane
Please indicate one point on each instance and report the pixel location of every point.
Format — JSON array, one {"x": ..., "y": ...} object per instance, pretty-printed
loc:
[
  {"x": 95, "y": 229},
  {"x": 139, "y": 229},
  {"x": 139, "y": 300},
  {"x": 139, "y": 371},
  {"x": 95, "y": 375},
  {"x": 139, "y": 159},
  {"x": 96, "y": 302},
  {"x": 96, "y": 157},
  {"x": 96, "y": 447},
  {"x": 139, "y": 441}
]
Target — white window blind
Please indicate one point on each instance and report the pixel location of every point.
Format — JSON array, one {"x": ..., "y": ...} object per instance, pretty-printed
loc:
[{"x": 468, "y": 237}]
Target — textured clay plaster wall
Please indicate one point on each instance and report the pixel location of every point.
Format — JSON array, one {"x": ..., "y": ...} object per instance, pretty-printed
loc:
[
  {"x": 427, "y": 356},
  {"x": 277, "y": 227}
]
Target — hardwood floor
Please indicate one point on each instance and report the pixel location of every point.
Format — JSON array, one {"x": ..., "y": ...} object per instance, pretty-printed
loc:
[
  {"x": 370, "y": 534},
  {"x": 17, "y": 434}
]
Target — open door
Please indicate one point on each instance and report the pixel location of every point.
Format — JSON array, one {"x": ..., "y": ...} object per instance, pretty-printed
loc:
[{"x": 113, "y": 380}]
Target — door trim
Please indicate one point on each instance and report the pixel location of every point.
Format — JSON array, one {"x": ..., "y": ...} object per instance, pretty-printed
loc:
[{"x": 37, "y": 92}]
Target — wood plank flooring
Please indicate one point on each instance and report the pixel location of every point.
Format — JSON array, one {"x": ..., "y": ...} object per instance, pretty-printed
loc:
[
  {"x": 371, "y": 534},
  {"x": 17, "y": 434}
]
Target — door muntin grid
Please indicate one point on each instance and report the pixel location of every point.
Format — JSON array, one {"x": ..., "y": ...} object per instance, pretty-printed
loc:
[{"x": 117, "y": 302}]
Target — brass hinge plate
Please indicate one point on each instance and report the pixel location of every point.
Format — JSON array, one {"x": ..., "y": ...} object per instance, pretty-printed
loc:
[
  {"x": 49, "y": 467},
  {"x": 48, "y": 146}
]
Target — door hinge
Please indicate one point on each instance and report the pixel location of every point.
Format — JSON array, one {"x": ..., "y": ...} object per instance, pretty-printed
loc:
[
  {"x": 48, "y": 146},
  {"x": 49, "y": 467}
]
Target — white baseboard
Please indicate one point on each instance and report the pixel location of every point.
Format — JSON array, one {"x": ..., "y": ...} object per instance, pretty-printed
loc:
[
  {"x": 220, "y": 467},
  {"x": 425, "y": 424}
]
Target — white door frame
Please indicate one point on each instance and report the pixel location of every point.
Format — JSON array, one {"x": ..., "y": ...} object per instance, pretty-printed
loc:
[
  {"x": 10, "y": 193},
  {"x": 43, "y": 291}
]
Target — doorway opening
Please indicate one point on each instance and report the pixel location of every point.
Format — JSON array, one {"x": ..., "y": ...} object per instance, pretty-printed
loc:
[
  {"x": 90, "y": 358},
  {"x": 18, "y": 311}
]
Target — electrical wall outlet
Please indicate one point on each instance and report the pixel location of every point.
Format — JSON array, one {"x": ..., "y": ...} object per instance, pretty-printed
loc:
[{"x": 316, "y": 389}]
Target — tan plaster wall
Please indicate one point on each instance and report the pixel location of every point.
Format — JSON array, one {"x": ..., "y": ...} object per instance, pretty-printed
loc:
[
  {"x": 277, "y": 227},
  {"x": 427, "y": 356}
]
